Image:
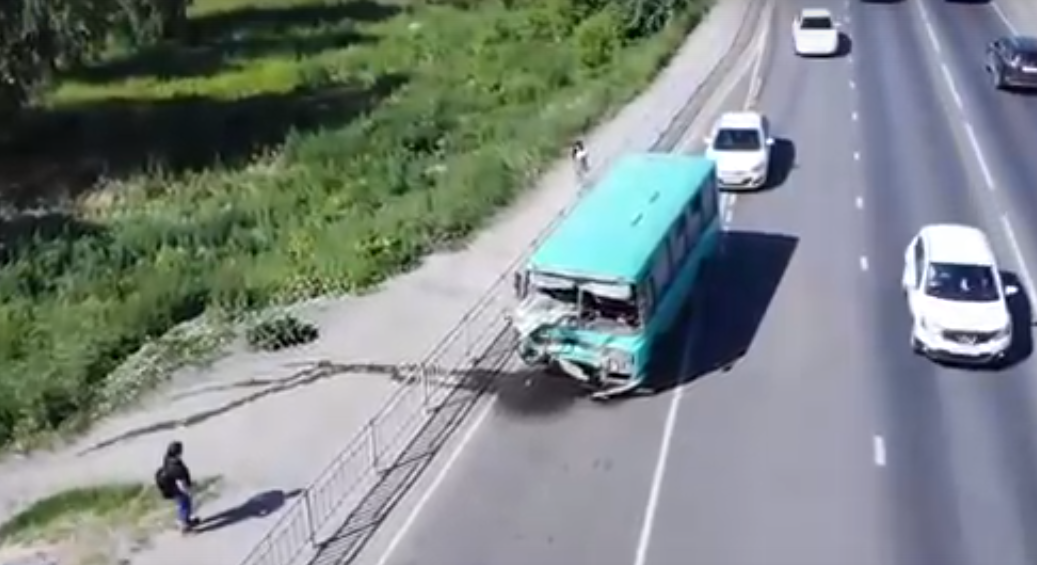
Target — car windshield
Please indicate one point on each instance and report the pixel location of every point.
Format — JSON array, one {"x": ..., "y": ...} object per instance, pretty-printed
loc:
[
  {"x": 964, "y": 283},
  {"x": 734, "y": 139},
  {"x": 1026, "y": 58},
  {"x": 815, "y": 22}
]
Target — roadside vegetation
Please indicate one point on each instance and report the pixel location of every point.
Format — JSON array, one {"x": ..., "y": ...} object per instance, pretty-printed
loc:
[
  {"x": 96, "y": 519},
  {"x": 246, "y": 153}
]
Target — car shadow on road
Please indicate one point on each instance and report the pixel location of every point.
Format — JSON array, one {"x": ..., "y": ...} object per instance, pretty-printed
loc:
[
  {"x": 783, "y": 160},
  {"x": 722, "y": 320},
  {"x": 845, "y": 47},
  {"x": 1021, "y": 310}
]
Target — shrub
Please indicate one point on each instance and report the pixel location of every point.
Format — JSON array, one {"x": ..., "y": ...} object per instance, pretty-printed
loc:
[{"x": 280, "y": 332}]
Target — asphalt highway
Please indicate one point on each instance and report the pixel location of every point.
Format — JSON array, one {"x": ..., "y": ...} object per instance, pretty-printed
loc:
[{"x": 808, "y": 432}]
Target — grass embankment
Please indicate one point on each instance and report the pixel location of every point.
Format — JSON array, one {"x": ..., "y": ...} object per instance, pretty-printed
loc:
[
  {"x": 288, "y": 148},
  {"x": 91, "y": 516}
]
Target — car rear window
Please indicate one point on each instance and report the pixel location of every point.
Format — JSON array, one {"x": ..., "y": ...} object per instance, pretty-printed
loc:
[{"x": 816, "y": 22}]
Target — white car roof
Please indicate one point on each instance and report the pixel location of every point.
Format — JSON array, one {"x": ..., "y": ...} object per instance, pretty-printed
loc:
[
  {"x": 815, "y": 13},
  {"x": 956, "y": 243},
  {"x": 751, "y": 120}
]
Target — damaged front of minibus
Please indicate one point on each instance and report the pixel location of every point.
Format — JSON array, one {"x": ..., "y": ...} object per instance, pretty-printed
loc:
[{"x": 590, "y": 329}]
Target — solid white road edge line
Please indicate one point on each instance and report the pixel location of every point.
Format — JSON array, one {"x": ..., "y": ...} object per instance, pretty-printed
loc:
[
  {"x": 988, "y": 177},
  {"x": 950, "y": 85},
  {"x": 1004, "y": 18},
  {"x": 1018, "y": 252},
  {"x": 426, "y": 496}
]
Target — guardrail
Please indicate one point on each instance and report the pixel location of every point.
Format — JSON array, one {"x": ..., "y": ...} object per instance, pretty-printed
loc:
[
  {"x": 427, "y": 386},
  {"x": 424, "y": 388}
]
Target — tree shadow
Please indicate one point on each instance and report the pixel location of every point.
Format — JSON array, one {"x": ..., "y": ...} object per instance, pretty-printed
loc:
[
  {"x": 22, "y": 233},
  {"x": 257, "y": 506},
  {"x": 212, "y": 42},
  {"x": 60, "y": 154}
]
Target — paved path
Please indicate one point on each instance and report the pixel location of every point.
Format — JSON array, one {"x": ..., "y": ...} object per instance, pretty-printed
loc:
[{"x": 251, "y": 418}]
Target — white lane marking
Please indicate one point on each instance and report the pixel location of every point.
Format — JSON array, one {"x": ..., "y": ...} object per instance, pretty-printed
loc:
[
  {"x": 864, "y": 263},
  {"x": 856, "y": 155},
  {"x": 1018, "y": 252},
  {"x": 426, "y": 496},
  {"x": 950, "y": 84},
  {"x": 659, "y": 473},
  {"x": 853, "y": 85},
  {"x": 854, "y": 116},
  {"x": 929, "y": 30},
  {"x": 974, "y": 142},
  {"x": 859, "y": 203},
  {"x": 727, "y": 206},
  {"x": 1004, "y": 18},
  {"x": 754, "y": 77},
  {"x": 645, "y": 539},
  {"x": 878, "y": 447}
]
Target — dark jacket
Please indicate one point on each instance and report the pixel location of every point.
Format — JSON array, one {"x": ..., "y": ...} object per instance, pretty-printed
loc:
[{"x": 174, "y": 471}]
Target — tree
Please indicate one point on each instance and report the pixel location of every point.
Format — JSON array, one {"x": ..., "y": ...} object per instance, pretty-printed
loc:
[{"x": 40, "y": 37}]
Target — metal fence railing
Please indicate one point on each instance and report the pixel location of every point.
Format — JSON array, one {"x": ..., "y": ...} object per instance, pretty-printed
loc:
[
  {"x": 426, "y": 386},
  {"x": 423, "y": 389}
]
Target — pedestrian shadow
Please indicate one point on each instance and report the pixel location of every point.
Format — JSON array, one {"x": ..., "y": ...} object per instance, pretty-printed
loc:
[{"x": 257, "y": 506}]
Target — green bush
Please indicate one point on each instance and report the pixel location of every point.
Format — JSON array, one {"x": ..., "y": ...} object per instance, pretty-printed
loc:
[
  {"x": 299, "y": 165},
  {"x": 280, "y": 332}
]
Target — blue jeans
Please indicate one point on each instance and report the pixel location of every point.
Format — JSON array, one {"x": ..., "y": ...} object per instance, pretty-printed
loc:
[{"x": 184, "y": 509}]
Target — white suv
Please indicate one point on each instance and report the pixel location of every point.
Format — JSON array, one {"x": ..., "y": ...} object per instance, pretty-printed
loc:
[
  {"x": 956, "y": 296},
  {"x": 740, "y": 144}
]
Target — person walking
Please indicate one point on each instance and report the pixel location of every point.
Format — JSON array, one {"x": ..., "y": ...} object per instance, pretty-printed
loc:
[
  {"x": 581, "y": 160},
  {"x": 173, "y": 480}
]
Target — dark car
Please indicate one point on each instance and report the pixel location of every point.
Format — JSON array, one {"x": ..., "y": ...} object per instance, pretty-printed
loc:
[{"x": 1012, "y": 62}]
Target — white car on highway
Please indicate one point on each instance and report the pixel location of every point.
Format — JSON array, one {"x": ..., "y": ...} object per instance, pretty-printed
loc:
[
  {"x": 956, "y": 296},
  {"x": 740, "y": 145},
  {"x": 815, "y": 33}
]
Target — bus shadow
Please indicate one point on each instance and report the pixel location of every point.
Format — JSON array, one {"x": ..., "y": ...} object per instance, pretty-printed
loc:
[{"x": 722, "y": 320}]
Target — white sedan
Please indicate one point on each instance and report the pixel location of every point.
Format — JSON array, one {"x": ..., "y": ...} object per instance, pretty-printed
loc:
[
  {"x": 740, "y": 145},
  {"x": 814, "y": 33},
  {"x": 956, "y": 296}
]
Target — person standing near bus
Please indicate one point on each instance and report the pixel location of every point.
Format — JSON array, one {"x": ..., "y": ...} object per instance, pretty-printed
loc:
[{"x": 581, "y": 159}]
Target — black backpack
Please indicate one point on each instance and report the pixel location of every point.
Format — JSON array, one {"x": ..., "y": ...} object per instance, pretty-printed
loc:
[{"x": 163, "y": 484}]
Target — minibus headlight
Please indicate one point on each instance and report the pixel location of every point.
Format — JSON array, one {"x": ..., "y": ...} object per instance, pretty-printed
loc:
[{"x": 617, "y": 361}]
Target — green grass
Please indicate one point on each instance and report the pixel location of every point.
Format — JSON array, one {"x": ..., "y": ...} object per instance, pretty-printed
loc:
[
  {"x": 290, "y": 148},
  {"x": 111, "y": 506}
]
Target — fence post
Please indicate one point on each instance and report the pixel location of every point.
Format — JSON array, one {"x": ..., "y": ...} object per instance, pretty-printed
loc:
[
  {"x": 466, "y": 329},
  {"x": 372, "y": 443},
  {"x": 426, "y": 393},
  {"x": 311, "y": 525}
]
